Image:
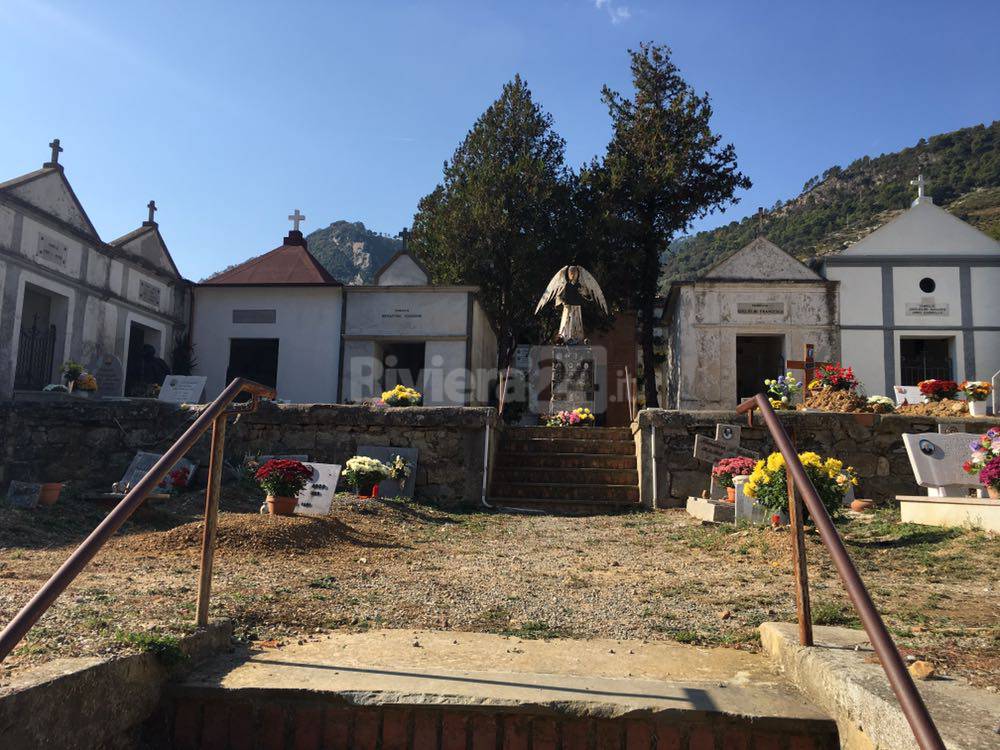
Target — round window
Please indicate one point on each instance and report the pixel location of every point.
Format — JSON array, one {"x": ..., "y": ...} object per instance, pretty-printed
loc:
[{"x": 927, "y": 285}]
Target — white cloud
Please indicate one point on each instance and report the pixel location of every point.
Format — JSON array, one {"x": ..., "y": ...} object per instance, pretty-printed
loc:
[{"x": 617, "y": 13}]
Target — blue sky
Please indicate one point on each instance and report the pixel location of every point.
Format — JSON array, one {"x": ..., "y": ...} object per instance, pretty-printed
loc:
[{"x": 232, "y": 114}]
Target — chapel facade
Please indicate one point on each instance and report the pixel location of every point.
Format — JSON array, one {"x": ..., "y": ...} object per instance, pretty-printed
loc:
[{"x": 69, "y": 295}]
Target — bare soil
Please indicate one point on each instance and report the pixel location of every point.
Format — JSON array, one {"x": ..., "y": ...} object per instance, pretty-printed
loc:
[
  {"x": 656, "y": 576},
  {"x": 947, "y": 407}
]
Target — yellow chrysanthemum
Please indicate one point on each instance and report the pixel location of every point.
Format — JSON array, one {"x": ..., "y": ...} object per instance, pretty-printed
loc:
[{"x": 775, "y": 462}]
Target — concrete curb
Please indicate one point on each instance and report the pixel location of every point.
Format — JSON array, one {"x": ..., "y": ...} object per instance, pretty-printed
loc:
[
  {"x": 842, "y": 676},
  {"x": 91, "y": 702}
]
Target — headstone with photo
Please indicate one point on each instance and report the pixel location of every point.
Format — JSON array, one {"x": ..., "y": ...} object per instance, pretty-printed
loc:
[
  {"x": 23, "y": 494},
  {"x": 388, "y": 454},
  {"x": 144, "y": 461},
  {"x": 907, "y": 394},
  {"x": 937, "y": 463},
  {"x": 182, "y": 389},
  {"x": 316, "y": 497},
  {"x": 110, "y": 376},
  {"x": 573, "y": 378},
  {"x": 725, "y": 445}
]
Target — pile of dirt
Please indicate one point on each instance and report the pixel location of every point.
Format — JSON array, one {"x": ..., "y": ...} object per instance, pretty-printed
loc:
[
  {"x": 947, "y": 407},
  {"x": 248, "y": 533},
  {"x": 827, "y": 399}
]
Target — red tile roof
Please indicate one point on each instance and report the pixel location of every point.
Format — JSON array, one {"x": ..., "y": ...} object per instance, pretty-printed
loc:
[{"x": 290, "y": 264}]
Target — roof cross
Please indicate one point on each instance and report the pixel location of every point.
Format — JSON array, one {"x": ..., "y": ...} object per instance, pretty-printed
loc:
[
  {"x": 152, "y": 210},
  {"x": 920, "y": 182},
  {"x": 404, "y": 235},
  {"x": 760, "y": 221},
  {"x": 296, "y": 218},
  {"x": 56, "y": 150}
]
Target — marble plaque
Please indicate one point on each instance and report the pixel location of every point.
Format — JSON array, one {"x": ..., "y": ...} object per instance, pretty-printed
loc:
[
  {"x": 937, "y": 461},
  {"x": 182, "y": 389},
  {"x": 110, "y": 376},
  {"x": 23, "y": 494},
  {"x": 143, "y": 462},
  {"x": 907, "y": 394},
  {"x": 386, "y": 454},
  {"x": 316, "y": 497},
  {"x": 573, "y": 378}
]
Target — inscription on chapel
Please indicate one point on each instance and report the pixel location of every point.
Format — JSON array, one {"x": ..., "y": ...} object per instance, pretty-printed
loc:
[
  {"x": 402, "y": 312},
  {"x": 52, "y": 251},
  {"x": 149, "y": 293},
  {"x": 760, "y": 308},
  {"x": 926, "y": 309}
]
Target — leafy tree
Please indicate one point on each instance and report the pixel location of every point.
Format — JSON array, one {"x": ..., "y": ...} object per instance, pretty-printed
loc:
[
  {"x": 500, "y": 216},
  {"x": 663, "y": 168}
]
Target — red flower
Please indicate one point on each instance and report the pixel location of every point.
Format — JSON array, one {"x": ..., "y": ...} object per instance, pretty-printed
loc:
[
  {"x": 283, "y": 477},
  {"x": 938, "y": 389}
]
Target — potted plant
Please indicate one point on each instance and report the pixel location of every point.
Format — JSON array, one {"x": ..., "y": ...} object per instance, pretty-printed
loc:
[
  {"x": 938, "y": 390},
  {"x": 71, "y": 371},
  {"x": 985, "y": 452},
  {"x": 835, "y": 378},
  {"x": 881, "y": 404},
  {"x": 85, "y": 385},
  {"x": 364, "y": 474},
  {"x": 782, "y": 390},
  {"x": 579, "y": 417},
  {"x": 976, "y": 392},
  {"x": 401, "y": 395},
  {"x": 282, "y": 480},
  {"x": 727, "y": 468},
  {"x": 768, "y": 482}
]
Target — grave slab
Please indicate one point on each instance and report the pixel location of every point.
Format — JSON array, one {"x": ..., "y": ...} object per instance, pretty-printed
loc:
[
  {"x": 110, "y": 376},
  {"x": 386, "y": 454},
  {"x": 713, "y": 511},
  {"x": 316, "y": 497},
  {"x": 937, "y": 461},
  {"x": 182, "y": 389}
]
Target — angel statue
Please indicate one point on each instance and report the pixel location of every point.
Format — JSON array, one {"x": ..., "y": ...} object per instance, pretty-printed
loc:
[{"x": 571, "y": 287}]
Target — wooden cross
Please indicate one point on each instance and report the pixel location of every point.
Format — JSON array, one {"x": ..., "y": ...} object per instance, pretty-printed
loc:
[
  {"x": 296, "y": 218},
  {"x": 152, "y": 210},
  {"x": 56, "y": 150},
  {"x": 808, "y": 363},
  {"x": 920, "y": 182}
]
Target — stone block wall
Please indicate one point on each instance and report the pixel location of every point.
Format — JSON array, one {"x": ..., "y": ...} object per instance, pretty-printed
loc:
[
  {"x": 871, "y": 443},
  {"x": 92, "y": 442}
]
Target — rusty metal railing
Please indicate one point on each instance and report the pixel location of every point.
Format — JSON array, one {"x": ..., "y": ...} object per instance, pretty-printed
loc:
[
  {"x": 913, "y": 706},
  {"x": 214, "y": 416}
]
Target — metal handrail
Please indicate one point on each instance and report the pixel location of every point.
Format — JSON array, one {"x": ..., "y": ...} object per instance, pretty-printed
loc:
[
  {"x": 912, "y": 704},
  {"x": 214, "y": 415}
]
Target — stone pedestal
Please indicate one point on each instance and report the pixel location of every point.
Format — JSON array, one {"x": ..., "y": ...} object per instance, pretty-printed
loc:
[{"x": 574, "y": 379}]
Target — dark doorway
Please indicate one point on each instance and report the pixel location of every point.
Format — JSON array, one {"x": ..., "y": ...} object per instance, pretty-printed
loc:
[
  {"x": 403, "y": 364},
  {"x": 255, "y": 359},
  {"x": 924, "y": 359},
  {"x": 145, "y": 367},
  {"x": 757, "y": 358}
]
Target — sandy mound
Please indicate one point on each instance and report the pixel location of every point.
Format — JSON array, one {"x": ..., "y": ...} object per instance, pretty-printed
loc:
[
  {"x": 945, "y": 408},
  {"x": 826, "y": 399}
]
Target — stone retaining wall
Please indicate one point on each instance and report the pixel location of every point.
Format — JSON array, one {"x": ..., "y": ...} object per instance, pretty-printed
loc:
[
  {"x": 92, "y": 442},
  {"x": 871, "y": 443}
]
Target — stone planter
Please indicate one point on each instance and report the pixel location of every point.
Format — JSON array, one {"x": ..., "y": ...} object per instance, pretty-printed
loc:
[{"x": 281, "y": 506}]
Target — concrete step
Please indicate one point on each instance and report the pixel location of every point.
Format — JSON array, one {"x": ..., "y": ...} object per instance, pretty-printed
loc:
[
  {"x": 615, "y": 492},
  {"x": 564, "y": 461},
  {"x": 420, "y": 689},
  {"x": 565, "y": 507},
  {"x": 568, "y": 445},
  {"x": 570, "y": 433},
  {"x": 560, "y": 475}
]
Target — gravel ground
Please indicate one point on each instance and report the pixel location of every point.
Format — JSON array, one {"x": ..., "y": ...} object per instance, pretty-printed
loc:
[{"x": 401, "y": 565}]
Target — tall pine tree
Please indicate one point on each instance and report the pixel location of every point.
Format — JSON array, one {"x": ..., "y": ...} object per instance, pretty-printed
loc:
[
  {"x": 499, "y": 217},
  {"x": 664, "y": 167}
]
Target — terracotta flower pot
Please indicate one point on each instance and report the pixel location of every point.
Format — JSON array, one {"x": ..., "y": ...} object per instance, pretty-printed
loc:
[
  {"x": 50, "y": 493},
  {"x": 861, "y": 506},
  {"x": 281, "y": 506},
  {"x": 730, "y": 494},
  {"x": 993, "y": 492}
]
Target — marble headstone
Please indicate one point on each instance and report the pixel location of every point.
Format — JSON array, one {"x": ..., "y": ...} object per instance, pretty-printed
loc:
[
  {"x": 386, "y": 454},
  {"x": 110, "y": 376},
  {"x": 143, "y": 462},
  {"x": 907, "y": 394},
  {"x": 182, "y": 389},
  {"x": 937, "y": 462},
  {"x": 574, "y": 382},
  {"x": 23, "y": 494},
  {"x": 316, "y": 497}
]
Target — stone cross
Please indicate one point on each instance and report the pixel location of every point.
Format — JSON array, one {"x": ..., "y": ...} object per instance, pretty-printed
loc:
[
  {"x": 152, "y": 210},
  {"x": 760, "y": 221},
  {"x": 404, "y": 235},
  {"x": 56, "y": 150},
  {"x": 725, "y": 445},
  {"x": 296, "y": 218},
  {"x": 920, "y": 183}
]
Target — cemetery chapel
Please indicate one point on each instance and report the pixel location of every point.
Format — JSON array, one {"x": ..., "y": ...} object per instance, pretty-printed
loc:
[{"x": 913, "y": 300}]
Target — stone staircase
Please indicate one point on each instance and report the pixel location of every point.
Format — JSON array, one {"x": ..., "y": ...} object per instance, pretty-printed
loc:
[{"x": 570, "y": 470}]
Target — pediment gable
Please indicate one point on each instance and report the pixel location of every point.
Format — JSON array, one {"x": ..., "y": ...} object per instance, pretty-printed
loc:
[
  {"x": 761, "y": 260},
  {"x": 402, "y": 269},
  {"x": 146, "y": 244},
  {"x": 49, "y": 191},
  {"x": 925, "y": 229}
]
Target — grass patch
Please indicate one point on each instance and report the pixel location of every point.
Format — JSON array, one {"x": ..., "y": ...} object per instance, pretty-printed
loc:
[
  {"x": 535, "y": 630},
  {"x": 833, "y": 613},
  {"x": 164, "y": 647}
]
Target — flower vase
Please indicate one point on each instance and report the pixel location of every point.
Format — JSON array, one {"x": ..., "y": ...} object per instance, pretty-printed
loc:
[
  {"x": 281, "y": 506},
  {"x": 730, "y": 494},
  {"x": 977, "y": 408},
  {"x": 993, "y": 492},
  {"x": 367, "y": 493}
]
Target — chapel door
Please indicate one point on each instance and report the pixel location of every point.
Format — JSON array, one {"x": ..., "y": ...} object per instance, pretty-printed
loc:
[{"x": 757, "y": 359}]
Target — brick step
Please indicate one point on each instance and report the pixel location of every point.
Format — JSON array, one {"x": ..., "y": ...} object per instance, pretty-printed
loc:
[
  {"x": 561, "y": 475},
  {"x": 596, "y": 492},
  {"x": 567, "y": 507},
  {"x": 572, "y": 433},
  {"x": 568, "y": 445},
  {"x": 564, "y": 460}
]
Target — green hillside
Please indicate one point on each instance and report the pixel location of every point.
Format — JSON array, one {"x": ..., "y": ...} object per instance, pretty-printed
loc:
[
  {"x": 843, "y": 204},
  {"x": 352, "y": 253}
]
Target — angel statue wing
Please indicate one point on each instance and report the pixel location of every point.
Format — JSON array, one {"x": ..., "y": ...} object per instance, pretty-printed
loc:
[
  {"x": 555, "y": 286},
  {"x": 591, "y": 288}
]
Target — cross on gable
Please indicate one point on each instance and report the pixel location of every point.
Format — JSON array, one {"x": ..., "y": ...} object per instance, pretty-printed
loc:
[
  {"x": 760, "y": 220},
  {"x": 296, "y": 218},
  {"x": 56, "y": 150},
  {"x": 920, "y": 183},
  {"x": 152, "y": 210},
  {"x": 404, "y": 235}
]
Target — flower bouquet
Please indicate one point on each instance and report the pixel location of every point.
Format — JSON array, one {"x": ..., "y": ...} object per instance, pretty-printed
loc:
[
  {"x": 938, "y": 390},
  {"x": 401, "y": 395},
  {"x": 282, "y": 480},
  {"x": 399, "y": 470},
  {"x": 579, "y": 417},
  {"x": 71, "y": 371},
  {"x": 881, "y": 404},
  {"x": 768, "y": 481},
  {"x": 834, "y": 377},
  {"x": 782, "y": 390},
  {"x": 364, "y": 474},
  {"x": 976, "y": 392},
  {"x": 728, "y": 468},
  {"x": 985, "y": 460}
]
